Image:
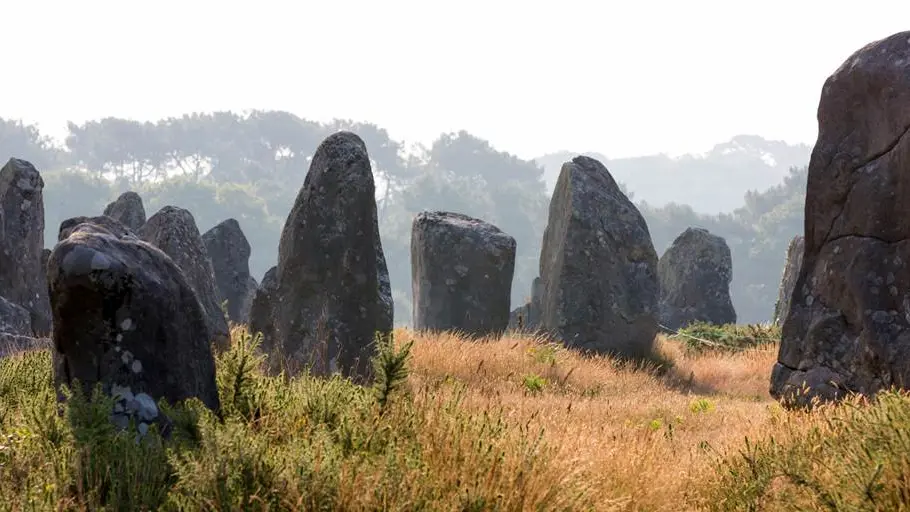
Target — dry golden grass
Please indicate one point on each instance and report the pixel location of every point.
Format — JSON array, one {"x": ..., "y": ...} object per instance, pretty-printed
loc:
[
  {"x": 641, "y": 437},
  {"x": 511, "y": 424}
]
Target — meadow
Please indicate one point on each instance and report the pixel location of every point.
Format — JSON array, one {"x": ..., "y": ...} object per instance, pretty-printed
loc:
[{"x": 510, "y": 424}]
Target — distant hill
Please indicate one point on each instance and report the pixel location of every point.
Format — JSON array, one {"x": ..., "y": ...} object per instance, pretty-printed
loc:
[{"x": 712, "y": 182}]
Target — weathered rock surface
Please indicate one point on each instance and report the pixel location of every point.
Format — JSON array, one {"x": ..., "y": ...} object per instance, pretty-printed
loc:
[
  {"x": 22, "y": 241},
  {"x": 230, "y": 251},
  {"x": 526, "y": 318},
  {"x": 334, "y": 294},
  {"x": 125, "y": 316},
  {"x": 174, "y": 231},
  {"x": 45, "y": 255},
  {"x": 461, "y": 274},
  {"x": 14, "y": 319},
  {"x": 108, "y": 223},
  {"x": 848, "y": 328},
  {"x": 598, "y": 267},
  {"x": 127, "y": 210},
  {"x": 262, "y": 313},
  {"x": 252, "y": 287},
  {"x": 788, "y": 280},
  {"x": 694, "y": 275}
]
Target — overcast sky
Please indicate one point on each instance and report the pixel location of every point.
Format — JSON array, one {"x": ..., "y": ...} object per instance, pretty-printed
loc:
[{"x": 623, "y": 78}]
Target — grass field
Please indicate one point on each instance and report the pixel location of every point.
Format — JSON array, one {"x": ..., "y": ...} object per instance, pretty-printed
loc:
[{"x": 512, "y": 424}]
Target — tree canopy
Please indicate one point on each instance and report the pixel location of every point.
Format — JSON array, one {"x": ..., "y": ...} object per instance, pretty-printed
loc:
[{"x": 250, "y": 167}]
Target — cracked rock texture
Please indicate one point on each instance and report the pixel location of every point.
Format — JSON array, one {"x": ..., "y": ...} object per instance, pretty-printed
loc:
[
  {"x": 598, "y": 267},
  {"x": 127, "y": 210},
  {"x": 788, "y": 279},
  {"x": 22, "y": 279},
  {"x": 695, "y": 274},
  {"x": 230, "y": 251},
  {"x": 174, "y": 231},
  {"x": 125, "y": 315},
  {"x": 461, "y": 274},
  {"x": 848, "y": 327},
  {"x": 333, "y": 293}
]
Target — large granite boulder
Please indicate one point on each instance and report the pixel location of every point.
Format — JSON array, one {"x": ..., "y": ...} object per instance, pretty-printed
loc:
[
  {"x": 22, "y": 241},
  {"x": 174, "y": 231},
  {"x": 333, "y": 293},
  {"x": 848, "y": 327},
  {"x": 126, "y": 317},
  {"x": 526, "y": 318},
  {"x": 127, "y": 210},
  {"x": 230, "y": 251},
  {"x": 694, "y": 275},
  {"x": 598, "y": 267},
  {"x": 788, "y": 279},
  {"x": 461, "y": 274}
]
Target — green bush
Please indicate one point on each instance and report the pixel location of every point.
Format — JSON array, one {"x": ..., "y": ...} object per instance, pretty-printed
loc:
[
  {"x": 700, "y": 336},
  {"x": 279, "y": 443}
]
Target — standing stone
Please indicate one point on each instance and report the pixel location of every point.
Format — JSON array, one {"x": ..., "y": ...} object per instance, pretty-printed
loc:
[
  {"x": 108, "y": 223},
  {"x": 45, "y": 256},
  {"x": 125, "y": 316},
  {"x": 598, "y": 267},
  {"x": 174, "y": 231},
  {"x": 127, "y": 210},
  {"x": 16, "y": 329},
  {"x": 262, "y": 315},
  {"x": 526, "y": 318},
  {"x": 695, "y": 275},
  {"x": 848, "y": 327},
  {"x": 252, "y": 287},
  {"x": 333, "y": 295},
  {"x": 230, "y": 253},
  {"x": 461, "y": 274},
  {"x": 22, "y": 240},
  {"x": 14, "y": 319},
  {"x": 788, "y": 280}
]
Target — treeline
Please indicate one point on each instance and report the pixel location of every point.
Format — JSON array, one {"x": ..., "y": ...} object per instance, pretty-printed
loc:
[{"x": 250, "y": 167}]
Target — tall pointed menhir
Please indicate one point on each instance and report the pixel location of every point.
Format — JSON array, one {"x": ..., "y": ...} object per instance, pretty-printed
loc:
[
  {"x": 22, "y": 276},
  {"x": 598, "y": 267},
  {"x": 334, "y": 294}
]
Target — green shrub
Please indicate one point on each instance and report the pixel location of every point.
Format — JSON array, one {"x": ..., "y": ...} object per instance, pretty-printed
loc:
[
  {"x": 701, "y": 336},
  {"x": 279, "y": 443}
]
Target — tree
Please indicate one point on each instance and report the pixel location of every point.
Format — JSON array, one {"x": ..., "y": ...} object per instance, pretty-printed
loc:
[{"x": 25, "y": 141}]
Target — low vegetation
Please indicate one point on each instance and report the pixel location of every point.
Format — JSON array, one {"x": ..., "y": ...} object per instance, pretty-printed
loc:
[
  {"x": 704, "y": 336},
  {"x": 512, "y": 424}
]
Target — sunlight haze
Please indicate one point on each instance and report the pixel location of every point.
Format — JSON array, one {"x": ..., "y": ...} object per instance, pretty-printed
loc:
[{"x": 621, "y": 78}]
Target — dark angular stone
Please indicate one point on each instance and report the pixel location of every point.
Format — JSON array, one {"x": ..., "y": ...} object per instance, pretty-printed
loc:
[
  {"x": 461, "y": 274},
  {"x": 598, "y": 267},
  {"x": 848, "y": 327}
]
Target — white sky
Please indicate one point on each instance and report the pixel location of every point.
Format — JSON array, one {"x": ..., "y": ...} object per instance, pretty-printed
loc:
[{"x": 623, "y": 78}]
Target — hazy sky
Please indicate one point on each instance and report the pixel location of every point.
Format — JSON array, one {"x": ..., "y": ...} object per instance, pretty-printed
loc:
[{"x": 623, "y": 78}]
